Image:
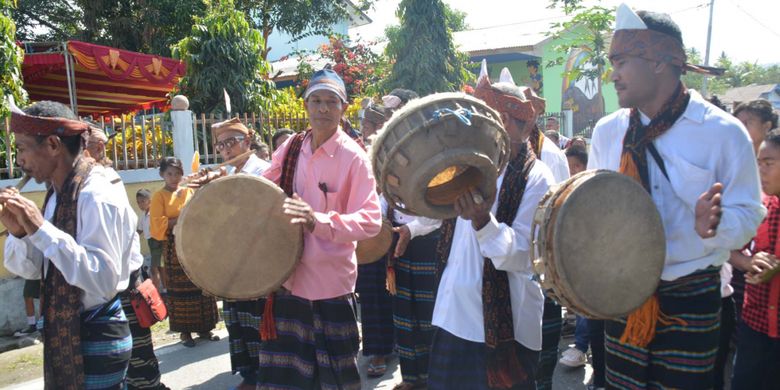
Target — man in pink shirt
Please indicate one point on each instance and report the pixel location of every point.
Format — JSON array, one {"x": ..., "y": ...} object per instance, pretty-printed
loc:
[{"x": 309, "y": 326}]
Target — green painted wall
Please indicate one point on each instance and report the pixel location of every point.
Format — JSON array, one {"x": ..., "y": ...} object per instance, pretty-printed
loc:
[
  {"x": 131, "y": 189},
  {"x": 554, "y": 90}
]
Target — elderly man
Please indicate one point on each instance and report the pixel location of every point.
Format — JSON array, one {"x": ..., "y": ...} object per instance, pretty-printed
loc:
[
  {"x": 83, "y": 245},
  {"x": 698, "y": 165},
  {"x": 488, "y": 306},
  {"x": 242, "y": 318},
  {"x": 332, "y": 195}
]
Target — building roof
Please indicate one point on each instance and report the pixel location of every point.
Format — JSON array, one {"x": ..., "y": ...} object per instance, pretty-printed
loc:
[
  {"x": 516, "y": 37},
  {"x": 748, "y": 93}
]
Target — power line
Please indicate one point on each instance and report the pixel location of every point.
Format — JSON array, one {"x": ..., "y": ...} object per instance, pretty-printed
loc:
[{"x": 760, "y": 23}]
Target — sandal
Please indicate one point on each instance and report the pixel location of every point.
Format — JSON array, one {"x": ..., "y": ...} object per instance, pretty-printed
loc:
[
  {"x": 376, "y": 370},
  {"x": 208, "y": 336}
]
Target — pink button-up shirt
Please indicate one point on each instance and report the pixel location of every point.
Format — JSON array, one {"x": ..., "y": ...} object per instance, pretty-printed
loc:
[{"x": 337, "y": 182}]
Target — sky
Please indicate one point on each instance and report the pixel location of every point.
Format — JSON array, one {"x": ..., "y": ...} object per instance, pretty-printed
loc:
[{"x": 745, "y": 29}]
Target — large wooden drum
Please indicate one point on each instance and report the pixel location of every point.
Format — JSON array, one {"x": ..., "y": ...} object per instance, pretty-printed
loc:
[
  {"x": 601, "y": 242},
  {"x": 233, "y": 240},
  {"x": 436, "y": 148}
]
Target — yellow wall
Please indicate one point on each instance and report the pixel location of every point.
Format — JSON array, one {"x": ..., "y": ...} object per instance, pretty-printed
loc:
[{"x": 131, "y": 190}]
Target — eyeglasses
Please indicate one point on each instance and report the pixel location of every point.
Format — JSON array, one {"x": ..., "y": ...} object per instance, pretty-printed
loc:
[{"x": 228, "y": 143}]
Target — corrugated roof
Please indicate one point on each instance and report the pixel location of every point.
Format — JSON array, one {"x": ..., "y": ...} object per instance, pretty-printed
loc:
[
  {"x": 747, "y": 93},
  {"x": 521, "y": 36}
]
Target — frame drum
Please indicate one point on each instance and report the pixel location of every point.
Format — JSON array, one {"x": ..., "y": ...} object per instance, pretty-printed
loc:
[
  {"x": 601, "y": 242},
  {"x": 233, "y": 239}
]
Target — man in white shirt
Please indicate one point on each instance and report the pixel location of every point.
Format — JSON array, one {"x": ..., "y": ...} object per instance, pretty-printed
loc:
[
  {"x": 242, "y": 318},
  {"x": 488, "y": 305},
  {"x": 83, "y": 245},
  {"x": 698, "y": 165}
]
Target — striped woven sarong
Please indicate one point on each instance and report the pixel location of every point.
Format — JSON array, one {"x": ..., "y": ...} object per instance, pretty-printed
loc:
[
  {"x": 188, "y": 309},
  {"x": 242, "y": 319},
  {"x": 316, "y": 346},
  {"x": 106, "y": 346},
  {"x": 552, "y": 322},
  {"x": 415, "y": 280},
  {"x": 681, "y": 356},
  {"x": 144, "y": 370},
  {"x": 461, "y": 364},
  {"x": 376, "y": 309}
]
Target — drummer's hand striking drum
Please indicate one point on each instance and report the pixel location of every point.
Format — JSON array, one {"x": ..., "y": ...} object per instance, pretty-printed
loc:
[
  {"x": 601, "y": 242},
  {"x": 233, "y": 239},
  {"x": 437, "y": 148}
]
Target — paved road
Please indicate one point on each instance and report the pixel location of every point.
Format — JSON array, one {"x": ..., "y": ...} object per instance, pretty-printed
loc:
[{"x": 207, "y": 366}]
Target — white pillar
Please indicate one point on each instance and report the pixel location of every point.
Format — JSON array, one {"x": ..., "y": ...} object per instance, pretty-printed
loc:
[
  {"x": 183, "y": 140},
  {"x": 568, "y": 116}
]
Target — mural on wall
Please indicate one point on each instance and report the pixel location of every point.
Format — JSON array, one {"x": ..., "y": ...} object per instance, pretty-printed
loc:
[
  {"x": 582, "y": 96},
  {"x": 537, "y": 82}
]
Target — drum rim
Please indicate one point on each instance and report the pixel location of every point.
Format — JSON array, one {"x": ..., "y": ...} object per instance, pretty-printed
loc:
[{"x": 255, "y": 295}]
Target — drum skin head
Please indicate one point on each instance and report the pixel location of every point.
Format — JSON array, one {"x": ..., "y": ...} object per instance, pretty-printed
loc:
[
  {"x": 233, "y": 240},
  {"x": 609, "y": 244}
]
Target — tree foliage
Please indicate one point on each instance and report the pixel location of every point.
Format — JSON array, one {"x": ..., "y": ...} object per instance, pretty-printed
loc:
[
  {"x": 148, "y": 26},
  {"x": 223, "y": 51},
  {"x": 424, "y": 56},
  {"x": 10, "y": 59},
  {"x": 736, "y": 75},
  {"x": 298, "y": 18},
  {"x": 356, "y": 64},
  {"x": 588, "y": 30}
]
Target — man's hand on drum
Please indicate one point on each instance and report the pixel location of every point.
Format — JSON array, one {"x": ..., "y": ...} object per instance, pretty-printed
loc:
[
  {"x": 762, "y": 263},
  {"x": 299, "y": 211},
  {"x": 204, "y": 176},
  {"x": 708, "y": 211},
  {"x": 404, "y": 236},
  {"x": 472, "y": 206}
]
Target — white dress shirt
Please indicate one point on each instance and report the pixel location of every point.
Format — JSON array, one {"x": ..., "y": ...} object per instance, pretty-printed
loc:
[
  {"x": 705, "y": 146},
  {"x": 458, "y": 307},
  {"x": 105, "y": 251},
  {"x": 144, "y": 225},
  {"x": 254, "y": 166},
  {"x": 556, "y": 160},
  {"x": 418, "y": 226}
]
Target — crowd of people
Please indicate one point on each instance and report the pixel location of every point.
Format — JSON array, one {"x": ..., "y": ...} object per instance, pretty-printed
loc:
[{"x": 457, "y": 300}]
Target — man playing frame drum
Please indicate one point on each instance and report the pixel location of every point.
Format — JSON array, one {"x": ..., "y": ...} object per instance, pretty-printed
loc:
[
  {"x": 488, "y": 307},
  {"x": 332, "y": 194},
  {"x": 242, "y": 318},
  {"x": 698, "y": 165}
]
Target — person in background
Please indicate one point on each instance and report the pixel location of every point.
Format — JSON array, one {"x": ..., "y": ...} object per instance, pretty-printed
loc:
[
  {"x": 759, "y": 117},
  {"x": 577, "y": 158},
  {"x": 758, "y": 345},
  {"x": 552, "y": 124},
  {"x": 261, "y": 149},
  {"x": 31, "y": 292},
  {"x": 143, "y": 198},
  {"x": 188, "y": 309},
  {"x": 279, "y": 137}
]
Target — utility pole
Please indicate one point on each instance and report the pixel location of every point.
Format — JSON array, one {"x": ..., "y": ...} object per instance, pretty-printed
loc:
[{"x": 707, "y": 52}]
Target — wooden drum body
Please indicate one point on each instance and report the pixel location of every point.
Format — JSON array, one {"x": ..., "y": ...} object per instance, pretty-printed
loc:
[
  {"x": 233, "y": 239},
  {"x": 601, "y": 242},
  {"x": 373, "y": 249},
  {"x": 436, "y": 148}
]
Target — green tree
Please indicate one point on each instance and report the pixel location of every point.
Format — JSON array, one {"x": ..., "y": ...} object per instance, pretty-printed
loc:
[
  {"x": 148, "y": 26},
  {"x": 692, "y": 79},
  {"x": 298, "y": 18},
  {"x": 424, "y": 56},
  {"x": 11, "y": 57},
  {"x": 223, "y": 51},
  {"x": 47, "y": 20},
  {"x": 589, "y": 29}
]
